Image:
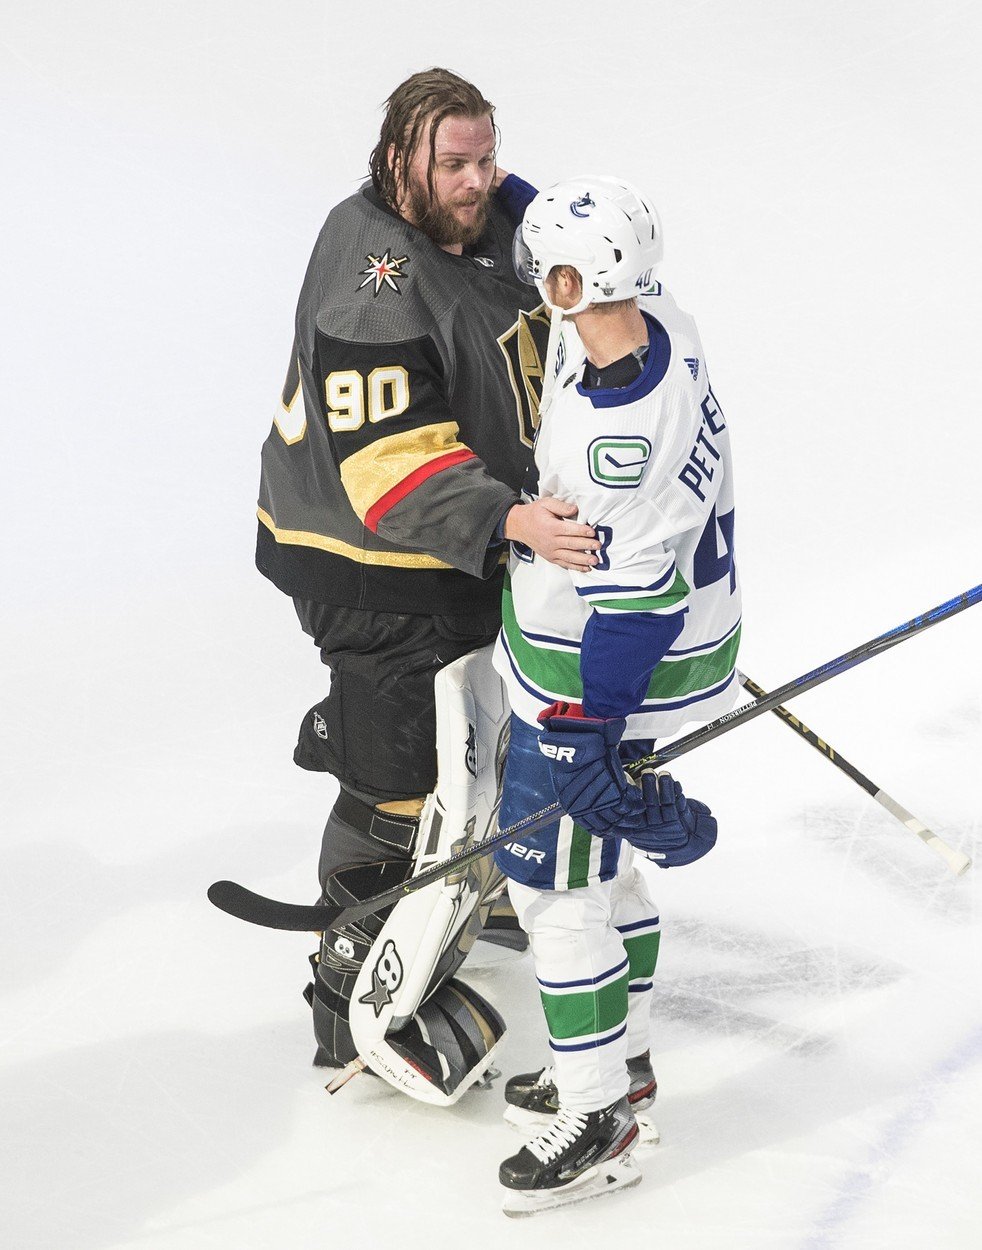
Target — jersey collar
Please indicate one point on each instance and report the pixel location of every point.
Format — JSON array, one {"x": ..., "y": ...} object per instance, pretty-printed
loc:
[{"x": 655, "y": 368}]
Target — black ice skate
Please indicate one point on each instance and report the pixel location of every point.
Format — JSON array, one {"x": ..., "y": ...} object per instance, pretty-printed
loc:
[
  {"x": 582, "y": 1154},
  {"x": 533, "y": 1098}
]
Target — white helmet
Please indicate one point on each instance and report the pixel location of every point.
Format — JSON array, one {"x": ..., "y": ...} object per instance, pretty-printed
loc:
[{"x": 605, "y": 228}]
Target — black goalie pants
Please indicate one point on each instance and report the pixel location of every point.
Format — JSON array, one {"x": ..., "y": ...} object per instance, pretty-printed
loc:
[{"x": 376, "y": 730}]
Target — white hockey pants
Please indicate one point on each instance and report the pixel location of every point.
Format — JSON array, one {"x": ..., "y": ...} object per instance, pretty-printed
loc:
[{"x": 594, "y": 951}]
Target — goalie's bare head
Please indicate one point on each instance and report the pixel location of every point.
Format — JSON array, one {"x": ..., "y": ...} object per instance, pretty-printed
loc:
[{"x": 595, "y": 235}]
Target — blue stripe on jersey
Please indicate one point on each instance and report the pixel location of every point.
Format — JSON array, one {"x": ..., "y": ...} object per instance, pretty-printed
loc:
[
  {"x": 568, "y": 985},
  {"x": 616, "y": 590},
  {"x": 603, "y": 1041},
  {"x": 571, "y": 644},
  {"x": 640, "y": 989},
  {"x": 708, "y": 646}
]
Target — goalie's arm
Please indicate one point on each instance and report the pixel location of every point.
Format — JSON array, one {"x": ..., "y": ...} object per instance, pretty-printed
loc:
[{"x": 409, "y": 475}]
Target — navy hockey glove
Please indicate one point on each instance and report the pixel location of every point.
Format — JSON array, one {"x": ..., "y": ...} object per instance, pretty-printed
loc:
[
  {"x": 677, "y": 830},
  {"x": 587, "y": 773}
]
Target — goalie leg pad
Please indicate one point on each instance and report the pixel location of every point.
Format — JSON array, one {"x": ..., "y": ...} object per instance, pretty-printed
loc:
[{"x": 424, "y": 1033}]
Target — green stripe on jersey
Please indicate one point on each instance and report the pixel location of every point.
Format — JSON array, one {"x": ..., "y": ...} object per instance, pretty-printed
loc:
[
  {"x": 678, "y": 590},
  {"x": 587, "y": 1013},
  {"x": 558, "y": 672}
]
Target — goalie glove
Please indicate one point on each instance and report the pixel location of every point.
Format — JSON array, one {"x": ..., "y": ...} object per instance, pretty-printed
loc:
[
  {"x": 677, "y": 830},
  {"x": 586, "y": 770}
]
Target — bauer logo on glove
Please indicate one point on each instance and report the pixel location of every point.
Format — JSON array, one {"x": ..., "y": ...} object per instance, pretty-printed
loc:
[{"x": 557, "y": 753}]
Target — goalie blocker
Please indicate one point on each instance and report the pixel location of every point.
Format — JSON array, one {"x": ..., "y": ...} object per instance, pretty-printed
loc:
[{"x": 385, "y": 989}]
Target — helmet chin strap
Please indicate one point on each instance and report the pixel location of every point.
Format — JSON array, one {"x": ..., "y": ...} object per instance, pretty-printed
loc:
[{"x": 552, "y": 356}]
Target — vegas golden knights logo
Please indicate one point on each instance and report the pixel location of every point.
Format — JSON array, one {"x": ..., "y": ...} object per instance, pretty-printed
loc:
[{"x": 524, "y": 346}]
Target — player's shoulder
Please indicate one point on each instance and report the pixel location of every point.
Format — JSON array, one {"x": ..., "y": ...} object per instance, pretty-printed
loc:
[
  {"x": 686, "y": 374},
  {"x": 658, "y": 302},
  {"x": 371, "y": 279}
]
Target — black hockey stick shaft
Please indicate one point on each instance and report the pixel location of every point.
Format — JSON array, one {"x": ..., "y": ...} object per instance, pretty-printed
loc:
[
  {"x": 810, "y": 736},
  {"x": 256, "y": 909},
  {"x": 956, "y": 860}
]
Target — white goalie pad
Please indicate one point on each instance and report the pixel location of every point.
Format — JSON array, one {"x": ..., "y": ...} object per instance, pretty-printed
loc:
[{"x": 428, "y": 933}]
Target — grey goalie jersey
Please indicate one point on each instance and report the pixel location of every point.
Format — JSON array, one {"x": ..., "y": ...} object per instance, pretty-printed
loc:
[
  {"x": 406, "y": 423},
  {"x": 649, "y": 466}
]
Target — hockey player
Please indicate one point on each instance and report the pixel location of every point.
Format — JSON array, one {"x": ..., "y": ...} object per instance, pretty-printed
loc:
[
  {"x": 599, "y": 662},
  {"x": 390, "y": 478}
]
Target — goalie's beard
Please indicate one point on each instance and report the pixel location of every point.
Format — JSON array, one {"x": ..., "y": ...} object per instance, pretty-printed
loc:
[{"x": 440, "y": 222}]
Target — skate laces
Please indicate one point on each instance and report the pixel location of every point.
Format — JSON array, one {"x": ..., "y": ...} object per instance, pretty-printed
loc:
[{"x": 562, "y": 1132}]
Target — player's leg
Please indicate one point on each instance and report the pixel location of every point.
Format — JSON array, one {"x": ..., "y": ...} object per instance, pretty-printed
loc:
[
  {"x": 533, "y": 1097},
  {"x": 560, "y": 885},
  {"x": 582, "y": 972},
  {"x": 376, "y": 732}
]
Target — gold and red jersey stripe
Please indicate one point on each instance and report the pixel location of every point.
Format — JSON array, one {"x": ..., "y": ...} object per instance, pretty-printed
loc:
[{"x": 381, "y": 475}]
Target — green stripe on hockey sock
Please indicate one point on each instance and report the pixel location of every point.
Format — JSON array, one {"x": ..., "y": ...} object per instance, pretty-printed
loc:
[
  {"x": 586, "y": 1014},
  {"x": 558, "y": 672},
  {"x": 578, "y": 874},
  {"x": 642, "y": 955}
]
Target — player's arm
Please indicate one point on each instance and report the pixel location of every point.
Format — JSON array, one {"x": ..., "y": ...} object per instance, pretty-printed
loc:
[
  {"x": 407, "y": 474},
  {"x": 637, "y": 596},
  {"x": 514, "y": 194}
]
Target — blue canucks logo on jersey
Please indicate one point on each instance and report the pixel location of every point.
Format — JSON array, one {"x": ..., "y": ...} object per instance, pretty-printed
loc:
[
  {"x": 693, "y": 363},
  {"x": 584, "y": 203}
]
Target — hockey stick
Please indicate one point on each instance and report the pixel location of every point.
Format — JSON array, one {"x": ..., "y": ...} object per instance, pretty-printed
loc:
[
  {"x": 256, "y": 909},
  {"x": 956, "y": 861}
]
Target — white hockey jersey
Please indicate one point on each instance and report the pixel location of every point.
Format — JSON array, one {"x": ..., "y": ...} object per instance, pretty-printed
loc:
[{"x": 649, "y": 467}]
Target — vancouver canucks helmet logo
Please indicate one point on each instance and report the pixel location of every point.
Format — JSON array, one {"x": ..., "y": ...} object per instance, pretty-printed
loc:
[{"x": 582, "y": 206}]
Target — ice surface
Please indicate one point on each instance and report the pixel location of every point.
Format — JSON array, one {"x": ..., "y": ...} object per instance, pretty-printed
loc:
[{"x": 818, "y": 1027}]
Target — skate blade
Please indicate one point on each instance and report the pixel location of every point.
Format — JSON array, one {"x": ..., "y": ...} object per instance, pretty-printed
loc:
[
  {"x": 524, "y": 1121},
  {"x": 604, "y": 1178}
]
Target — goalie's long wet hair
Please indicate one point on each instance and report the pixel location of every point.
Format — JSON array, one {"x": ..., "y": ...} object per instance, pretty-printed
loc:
[{"x": 413, "y": 112}]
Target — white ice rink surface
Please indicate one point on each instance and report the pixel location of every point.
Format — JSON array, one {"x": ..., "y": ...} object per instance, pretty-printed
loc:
[{"x": 817, "y": 1030}]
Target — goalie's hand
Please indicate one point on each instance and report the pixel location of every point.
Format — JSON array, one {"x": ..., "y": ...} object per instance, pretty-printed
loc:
[
  {"x": 586, "y": 770},
  {"x": 549, "y": 526},
  {"x": 676, "y": 830}
]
